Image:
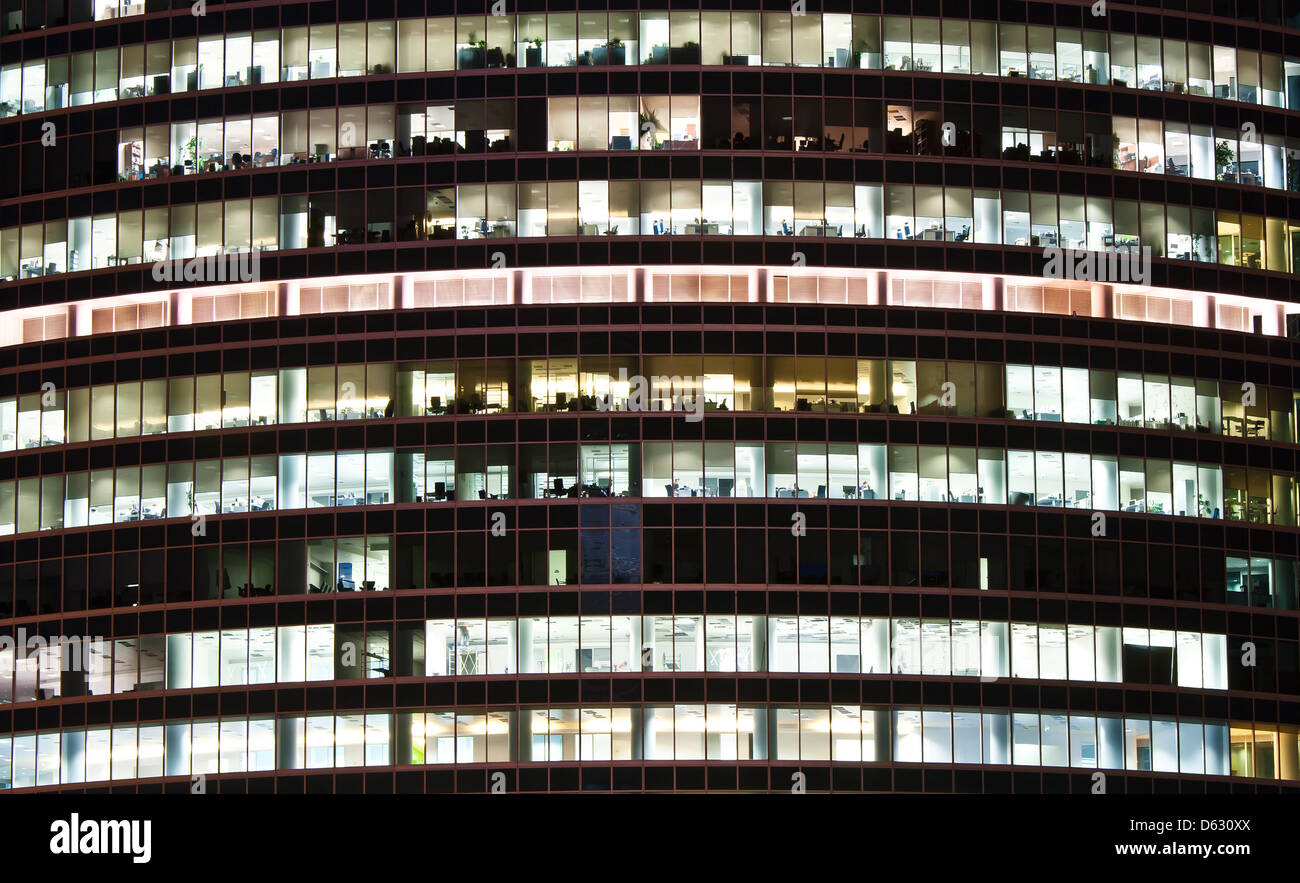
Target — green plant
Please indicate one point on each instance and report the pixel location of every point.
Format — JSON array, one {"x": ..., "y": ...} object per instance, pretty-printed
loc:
[
  {"x": 648, "y": 116},
  {"x": 615, "y": 44},
  {"x": 192, "y": 150},
  {"x": 1224, "y": 155},
  {"x": 536, "y": 41},
  {"x": 1206, "y": 510}
]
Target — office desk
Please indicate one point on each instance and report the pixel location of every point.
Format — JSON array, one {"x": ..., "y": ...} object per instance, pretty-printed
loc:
[{"x": 819, "y": 230}]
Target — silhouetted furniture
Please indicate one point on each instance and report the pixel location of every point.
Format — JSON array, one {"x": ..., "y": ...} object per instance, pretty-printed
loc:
[{"x": 684, "y": 54}]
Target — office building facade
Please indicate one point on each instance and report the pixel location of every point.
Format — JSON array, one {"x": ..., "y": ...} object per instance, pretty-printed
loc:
[{"x": 868, "y": 397}]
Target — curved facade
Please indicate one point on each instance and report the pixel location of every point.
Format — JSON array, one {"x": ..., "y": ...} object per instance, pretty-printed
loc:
[{"x": 633, "y": 399}]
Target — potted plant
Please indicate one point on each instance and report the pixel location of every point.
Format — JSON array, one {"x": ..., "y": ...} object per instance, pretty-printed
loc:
[
  {"x": 192, "y": 153},
  {"x": 686, "y": 54},
  {"x": 648, "y": 126},
  {"x": 533, "y": 53},
  {"x": 473, "y": 55},
  {"x": 1224, "y": 156}
]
